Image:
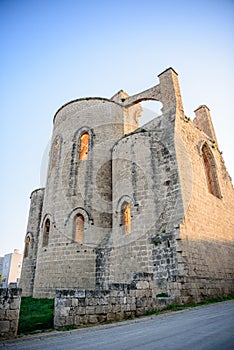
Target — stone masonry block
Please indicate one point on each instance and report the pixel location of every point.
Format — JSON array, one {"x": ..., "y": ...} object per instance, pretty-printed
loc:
[
  {"x": 90, "y": 310},
  {"x": 2, "y": 315},
  {"x": 4, "y": 327},
  {"x": 81, "y": 310},
  {"x": 15, "y": 304},
  {"x": 74, "y": 302},
  {"x": 13, "y": 326},
  {"x": 99, "y": 309},
  {"x": 141, "y": 293},
  {"x": 12, "y": 314},
  {"x": 116, "y": 308},
  {"x": 83, "y": 319},
  {"x": 92, "y": 319},
  {"x": 102, "y": 318},
  {"x": 111, "y": 316},
  {"x": 64, "y": 311},
  {"x": 93, "y": 301},
  {"x": 4, "y": 305},
  {"x": 120, "y": 316}
]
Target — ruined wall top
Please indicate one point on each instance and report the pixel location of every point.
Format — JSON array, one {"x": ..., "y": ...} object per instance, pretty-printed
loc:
[
  {"x": 167, "y": 92},
  {"x": 203, "y": 121}
]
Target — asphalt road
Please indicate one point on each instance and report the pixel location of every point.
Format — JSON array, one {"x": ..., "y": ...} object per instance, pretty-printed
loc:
[{"x": 202, "y": 328}]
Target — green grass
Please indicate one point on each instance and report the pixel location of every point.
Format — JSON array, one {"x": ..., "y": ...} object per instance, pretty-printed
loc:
[
  {"x": 177, "y": 307},
  {"x": 35, "y": 314}
]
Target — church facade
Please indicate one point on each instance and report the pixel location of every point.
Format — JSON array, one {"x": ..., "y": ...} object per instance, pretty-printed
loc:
[{"x": 120, "y": 199}]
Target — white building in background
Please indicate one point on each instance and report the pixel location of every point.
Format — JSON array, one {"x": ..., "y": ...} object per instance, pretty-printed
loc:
[
  {"x": 1, "y": 263},
  {"x": 12, "y": 264}
]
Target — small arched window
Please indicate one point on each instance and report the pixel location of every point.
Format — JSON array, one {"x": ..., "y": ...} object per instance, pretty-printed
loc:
[
  {"x": 126, "y": 217},
  {"x": 55, "y": 152},
  {"x": 84, "y": 146},
  {"x": 46, "y": 233},
  {"x": 27, "y": 246},
  {"x": 210, "y": 170},
  {"x": 79, "y": 228}
]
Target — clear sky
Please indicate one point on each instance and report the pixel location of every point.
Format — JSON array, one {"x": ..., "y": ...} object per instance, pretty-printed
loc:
[{"x": 54, "y": 51}]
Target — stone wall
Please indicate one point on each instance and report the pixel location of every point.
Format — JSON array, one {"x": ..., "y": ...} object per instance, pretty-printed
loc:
[
  {"x": 145, "y": 174},
  {"x": 9, "y": 311},
  {"x": 120, "y": 301},
  {"x": 31, "y": 242},
  {"x": 206, "y": 231}
]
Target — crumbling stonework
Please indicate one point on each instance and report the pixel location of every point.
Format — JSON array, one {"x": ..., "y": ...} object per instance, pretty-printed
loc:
[
  {"x": 120, "y": 301},
  {"x": 155, "y": 199},
  {"x": 9, "y": 311}
]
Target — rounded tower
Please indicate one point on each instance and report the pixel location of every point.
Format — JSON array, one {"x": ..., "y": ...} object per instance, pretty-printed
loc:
[{"x": 77, "y": 209}]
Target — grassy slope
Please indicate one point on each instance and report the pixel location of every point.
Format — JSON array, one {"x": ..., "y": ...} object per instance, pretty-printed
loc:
[{"x": 35, "y": 314}]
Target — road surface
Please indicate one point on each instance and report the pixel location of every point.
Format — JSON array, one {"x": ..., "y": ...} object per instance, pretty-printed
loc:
[{"x": 208, "y": 327}]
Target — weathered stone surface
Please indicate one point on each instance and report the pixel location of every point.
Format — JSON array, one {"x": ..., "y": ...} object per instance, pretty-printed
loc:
[
  {"x": 9, "y": 311},
  {"x": 12, "y": 314},
  {"x": 179, "y": 226},
  {"x": 4, "y": 327},
  {"x": 114, "y": 308},
  {"x": 142, "y": 285}
]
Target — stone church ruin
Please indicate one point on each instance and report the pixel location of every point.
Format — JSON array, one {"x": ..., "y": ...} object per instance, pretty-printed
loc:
[{"x": 120, "y": 201}]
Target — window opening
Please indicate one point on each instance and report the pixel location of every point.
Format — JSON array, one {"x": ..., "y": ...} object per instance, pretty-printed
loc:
[
  {"x": 127, "y": 218},
  {"x": 55, "y": 153},
  {"x": 79, "y": 228},
  {"x": 150, "y": 110},
  {"x": 84, "y": 146},
  {"x": 210, "y": 170},
  {"x": 27, "y": 246},
  {"x": 46, "y": 233}
]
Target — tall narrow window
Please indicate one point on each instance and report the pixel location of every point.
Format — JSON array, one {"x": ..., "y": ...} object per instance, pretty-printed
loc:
[
  {"x": 46, "y": 233},
  {"x": 79, "y": 228},
  {"x": 210, "y": 170},
  {"x": 126, "y": 217},
  {"x": 55, "y": 152},
  {"x": 27, "y": 246},
  {"x": 84, "y": 146}
]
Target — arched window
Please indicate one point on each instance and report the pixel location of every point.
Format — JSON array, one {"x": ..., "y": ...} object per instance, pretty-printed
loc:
[
  {"x": 79, "y": 228},
  {"x": 55, "y": 152},
  {"x": 46, "y": 233},
  {"x": 210, "y": 170},
  {"x": 27, "y": 246},
  {"x": 84, "y": 146},
  {"x": 126, "y": 217}
]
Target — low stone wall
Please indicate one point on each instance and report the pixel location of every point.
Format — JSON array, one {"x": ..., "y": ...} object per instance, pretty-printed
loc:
[
  {"x": 9, "y": 311},
  {"x": 120, "y": 301}
]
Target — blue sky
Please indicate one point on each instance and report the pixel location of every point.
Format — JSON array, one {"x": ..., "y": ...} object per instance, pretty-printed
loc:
[{"x": 56, "y": 51}]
